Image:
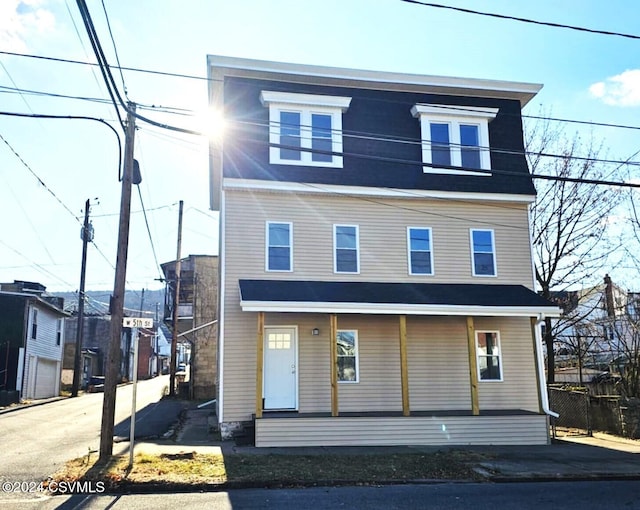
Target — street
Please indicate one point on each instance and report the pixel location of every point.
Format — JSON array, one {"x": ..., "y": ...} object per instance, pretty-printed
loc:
[
  {"x": 450, "y": 496},
  {"x": 36, "y": 441}
]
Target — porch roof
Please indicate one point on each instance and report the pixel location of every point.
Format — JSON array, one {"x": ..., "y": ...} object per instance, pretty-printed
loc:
[{"x": 392, "y": 298}]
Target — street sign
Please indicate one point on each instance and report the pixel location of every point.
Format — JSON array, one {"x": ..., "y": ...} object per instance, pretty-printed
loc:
[{"x": 137, "y": 322}]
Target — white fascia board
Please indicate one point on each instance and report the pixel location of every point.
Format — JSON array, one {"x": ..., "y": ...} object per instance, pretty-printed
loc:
[
  {"x": 335, "y": 189},
  {"x": 524, "y": 92},
  {"x": 397, "y": 309}
]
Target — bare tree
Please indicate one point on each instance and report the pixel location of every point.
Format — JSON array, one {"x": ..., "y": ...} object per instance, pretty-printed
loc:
[
  {"x": 569, "y": 219},
  {"x": 624, "y": 337}
]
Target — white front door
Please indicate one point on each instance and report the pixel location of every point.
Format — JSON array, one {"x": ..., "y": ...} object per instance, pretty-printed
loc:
[{"x": 280, "y": 368}]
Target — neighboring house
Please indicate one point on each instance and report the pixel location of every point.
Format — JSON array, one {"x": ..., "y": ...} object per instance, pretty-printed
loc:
[
  {"x": 377, "y": 282},
  {"x": 197, "y": 314},
  {"x": 95, "y": 342},
  {"x": 31, "y": 340},
  {"x": 591, "y": 330}
]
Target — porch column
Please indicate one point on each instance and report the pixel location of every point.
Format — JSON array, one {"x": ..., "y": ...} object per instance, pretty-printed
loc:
[
  {"x": 539, "y": 383},
  {"x": 333, "y": 349},
  {"x": 404, "y": 371},
  {"x": 259, "y": 363},
  {"x": 473, "y": 366}
]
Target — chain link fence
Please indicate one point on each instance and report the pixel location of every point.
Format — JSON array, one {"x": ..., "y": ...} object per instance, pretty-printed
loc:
[{"x": 573, "y": 406}]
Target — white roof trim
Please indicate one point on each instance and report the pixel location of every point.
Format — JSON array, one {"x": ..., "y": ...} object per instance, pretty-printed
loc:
[
  {"x": 495, "y": 88},
  {"x": 335, "y": 189},
  {"x": 397, "y": 309}
]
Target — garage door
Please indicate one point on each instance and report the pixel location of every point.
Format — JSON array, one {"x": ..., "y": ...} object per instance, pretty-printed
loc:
[{"x": 46, "y": 378}]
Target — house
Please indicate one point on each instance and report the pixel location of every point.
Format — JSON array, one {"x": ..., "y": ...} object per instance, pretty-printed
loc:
[
  {"x": 590, "y": 331},
  {"x": 31, "y": 340},
  {"x": 197, "y": 319},
  {"x": 376, "y": 276},
  {"x": 95, "y": 342}
]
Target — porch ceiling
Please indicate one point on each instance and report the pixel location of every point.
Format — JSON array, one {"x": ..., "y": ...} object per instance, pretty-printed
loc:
[{"x": 392, "y": 298}]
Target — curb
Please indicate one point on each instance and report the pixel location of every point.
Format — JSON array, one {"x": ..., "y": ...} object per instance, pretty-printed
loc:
[{"x": 20, "y": 406}]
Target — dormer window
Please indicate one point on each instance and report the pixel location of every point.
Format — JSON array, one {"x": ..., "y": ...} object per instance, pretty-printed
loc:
[
  {"x": 455, "y": 136},
  {"x": 305, "y": 129}
]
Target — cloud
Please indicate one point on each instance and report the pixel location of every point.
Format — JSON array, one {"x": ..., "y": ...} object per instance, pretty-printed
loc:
[
  {"x": 20, "y": 19},
  {"x": 620, "y": 90}
]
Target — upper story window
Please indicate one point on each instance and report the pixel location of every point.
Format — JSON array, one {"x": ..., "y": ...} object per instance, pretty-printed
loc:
[
  {"x": 279, "y": 246},
  {"x": 34, "y": 324},
  {"x": 455, "y": 136},
  {"x": 305, "y": 129},
  {"x": 346, "y": 258},
  {"x": 483, "y": 253},
  {"x": 59, "y": 329},
  {"x": 420, "y": 251}
]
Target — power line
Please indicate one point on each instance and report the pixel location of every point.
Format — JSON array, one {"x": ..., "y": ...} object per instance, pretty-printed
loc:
[
  {"x": 476, "y": 171},
  {"x": 408, "y": 141},
  {"x": 166, "y": 109},
  {"x": 146, "y": 222},
  {"x": 523, "y": 20},
  {"x": 73, "y": 117},
  {"x": 40, "y": 181},
  {"x": 115, "y": 49},
  {"x": 133, "y": 69}
]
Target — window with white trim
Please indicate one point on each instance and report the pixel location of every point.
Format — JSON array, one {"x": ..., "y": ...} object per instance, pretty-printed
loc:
[
  {"x": 347, "y": 351},
  {"x": 346, "y": 256},
  {"x": 59, "y": 329},
  {"x": 483, "y": 253},
  {"x": 279, "y": 244},
  {"x": 305, "y": 129},
  {"x": 488, "y": 356},
  {"x": 455, "y": 136},
  {"x": 34, "y": 324},
  {"x": 419, "y": 251}
]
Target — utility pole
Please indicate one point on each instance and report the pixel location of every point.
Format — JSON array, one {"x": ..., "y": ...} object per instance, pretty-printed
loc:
[
  {"x": 86, "y": 235},
  {"x": 117, "y": 300},
  {"x": 176, "y": 301}
]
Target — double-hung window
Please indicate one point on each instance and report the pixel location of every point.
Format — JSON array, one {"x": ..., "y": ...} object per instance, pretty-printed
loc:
[
  {"x": 483, "y": 253},
  {"x": 305, "y": 129},
  {"x": 488, "y": 355},
  {"x": 59, "y": 329},
  {"x": 279, "y": 243},
  {"x": 420, "y": 251},
  {"x": 455, "y": 139},
  {"x": 34, "y": 324},
  {"x": 347, "y": 351},
  {"x": 346, "y": 258}
]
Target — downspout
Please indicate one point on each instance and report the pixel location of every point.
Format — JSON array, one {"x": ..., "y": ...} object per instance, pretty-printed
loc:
[{"x": 544, "y": 396}]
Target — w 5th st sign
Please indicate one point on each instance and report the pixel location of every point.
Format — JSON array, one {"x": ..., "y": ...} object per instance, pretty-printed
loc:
[{"x": 136, "y": 322}]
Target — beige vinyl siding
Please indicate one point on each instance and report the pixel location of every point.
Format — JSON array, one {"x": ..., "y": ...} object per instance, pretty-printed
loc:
[
  {"x": 438, "y": 360},
  {"x": 391, "y": 431},
  {"x": 383, "y": 236},
  {"x": 438, "y": 363},
  {"x": 379, "y": 386},
  {"x": 518, "y": 390}
]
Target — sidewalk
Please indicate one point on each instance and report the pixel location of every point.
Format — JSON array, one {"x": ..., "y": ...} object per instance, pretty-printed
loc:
[{"x": 601, "y": 457}]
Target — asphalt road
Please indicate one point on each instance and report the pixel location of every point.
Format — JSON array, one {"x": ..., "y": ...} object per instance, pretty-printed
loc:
[
  {"x": 450, "y": 496},
  {"x": 36, "y": 441}
]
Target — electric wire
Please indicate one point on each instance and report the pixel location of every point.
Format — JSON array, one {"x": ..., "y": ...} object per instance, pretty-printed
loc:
[
  {"x": 146, "y": 222},
  {"x": 115, "y": 49},
  {"x": 104, "y": 68},
  {"x": 524, "y": 20},
  {"x": 202, "y": 78}
]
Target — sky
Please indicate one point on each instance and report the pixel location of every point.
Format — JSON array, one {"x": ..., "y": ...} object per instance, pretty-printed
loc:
[{"x": 49, "y": 168}]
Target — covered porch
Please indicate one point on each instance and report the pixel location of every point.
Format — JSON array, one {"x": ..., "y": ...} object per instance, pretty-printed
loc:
[{"x": 469, "y": 419}]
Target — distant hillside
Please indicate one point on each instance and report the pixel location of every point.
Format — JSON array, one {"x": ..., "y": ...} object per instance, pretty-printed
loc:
[{"x": 98, "y": 301}]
